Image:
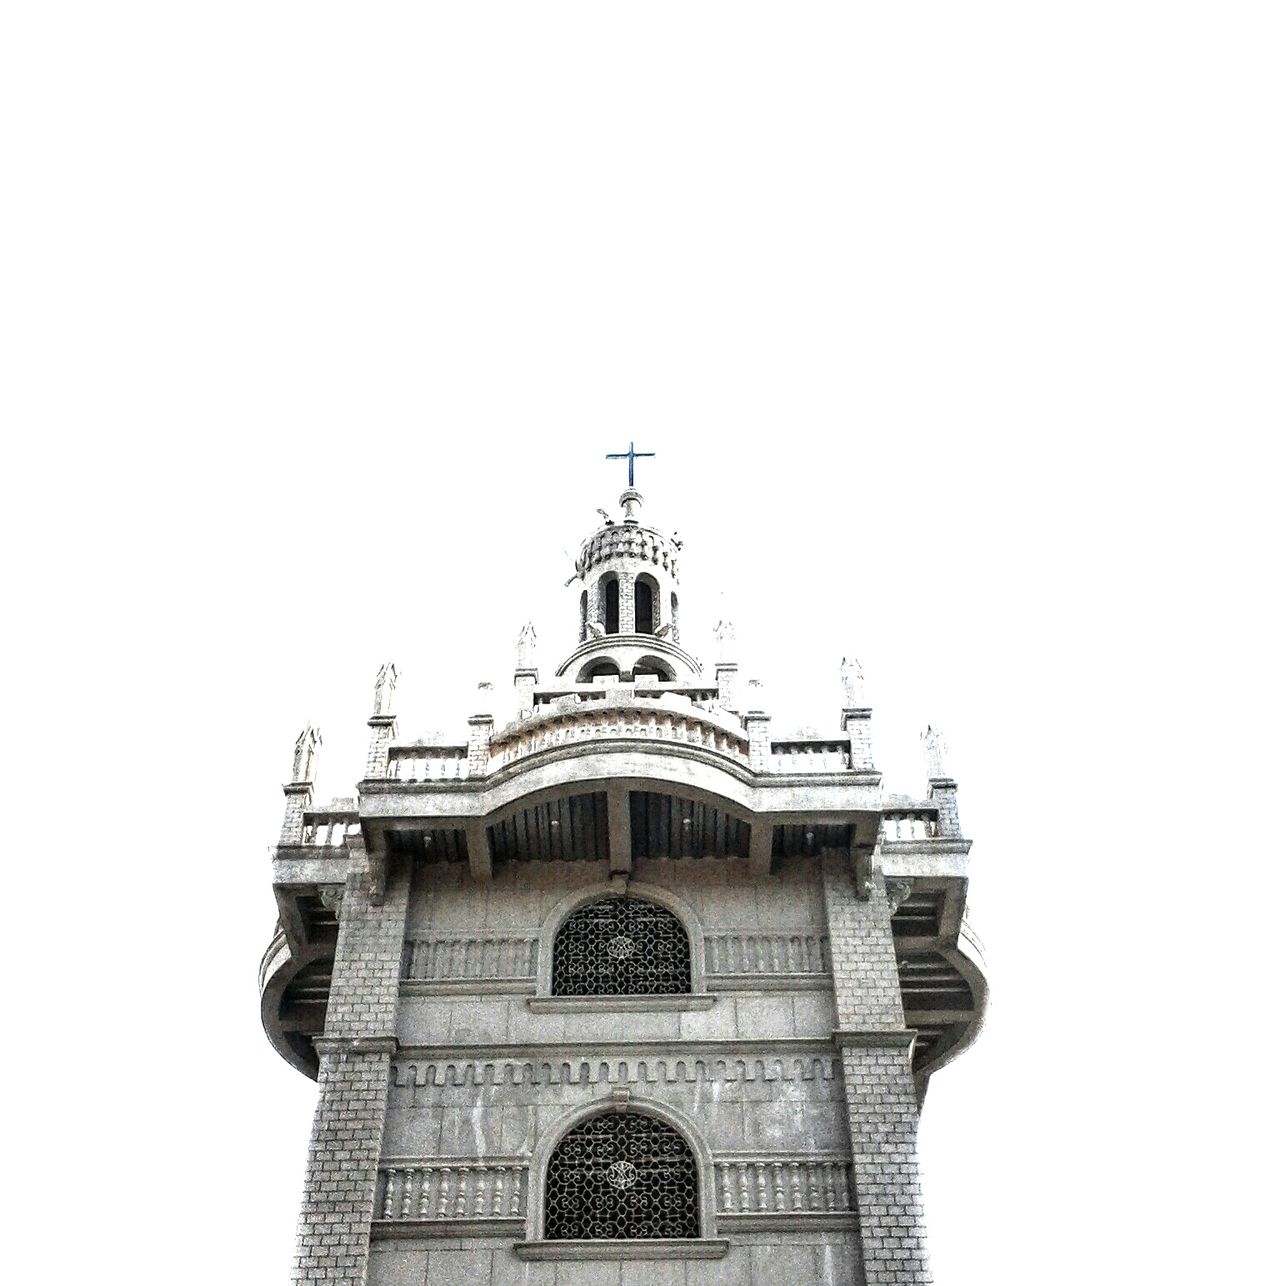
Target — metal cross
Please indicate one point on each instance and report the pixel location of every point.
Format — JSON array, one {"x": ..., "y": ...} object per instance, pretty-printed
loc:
[{"x": 631, "y": 455}]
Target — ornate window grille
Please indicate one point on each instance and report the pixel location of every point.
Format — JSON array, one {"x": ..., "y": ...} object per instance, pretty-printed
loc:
[
  {"x": 621, "y": 1175},
  {"x": 621, "y": 946}
]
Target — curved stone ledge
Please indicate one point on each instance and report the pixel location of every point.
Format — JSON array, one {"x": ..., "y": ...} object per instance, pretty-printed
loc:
[{"x": 702, "y": 1248}]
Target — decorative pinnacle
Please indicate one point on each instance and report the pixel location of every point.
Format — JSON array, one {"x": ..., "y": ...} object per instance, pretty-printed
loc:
[{"x": 935, "y": 751}]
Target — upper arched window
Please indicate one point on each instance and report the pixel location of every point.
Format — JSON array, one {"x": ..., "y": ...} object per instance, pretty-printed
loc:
[
  {"x": 621, "y": 1175},
  {"x": 646, "y": 605},
  {"x": 621, "y": 946},
  {"x": 597, "y": 669},
  {"x": 609, "y": 593}
]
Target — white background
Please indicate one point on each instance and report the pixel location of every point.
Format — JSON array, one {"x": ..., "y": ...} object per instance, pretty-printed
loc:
[{"x": 948, "y": 324}]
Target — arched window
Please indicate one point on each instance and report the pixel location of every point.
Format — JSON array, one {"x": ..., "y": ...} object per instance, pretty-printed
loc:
[
  {"x": 646, "y": 605},
  {"x": 609, "y": 602},
  {"x": 621, "y": 946},
  {"x": 651, "y": 665},
  {"x": 598, "y": 668},
  {"x": 621, "y": 1175}
]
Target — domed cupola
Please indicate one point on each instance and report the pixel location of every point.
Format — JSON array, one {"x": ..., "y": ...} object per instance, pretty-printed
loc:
[{"x": 629, "y": 605}]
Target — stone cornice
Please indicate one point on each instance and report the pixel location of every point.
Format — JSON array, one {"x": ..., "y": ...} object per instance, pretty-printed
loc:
[
  {"x": 890, "y": 1038},
  {"x": 617, "y": 1004},
  {"x": 693, "y": 1248},
  {"x": 356, "y": 1045}
]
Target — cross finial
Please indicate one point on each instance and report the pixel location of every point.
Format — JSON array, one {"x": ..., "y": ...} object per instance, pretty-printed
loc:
[{"x": 631, "y": 455}]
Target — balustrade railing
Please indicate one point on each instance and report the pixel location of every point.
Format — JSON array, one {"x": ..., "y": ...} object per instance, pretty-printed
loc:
[
  {"x": 428, "y": 763},
  {"x": 903, "y": 826},
  {"x": 809, "y": 756},
  {"x": 446, "y": 959},
  {"x": 451, "y": 1190},
  {"x": 328, "y": 828},
  {"x": 767, "y": 953},
  {"x": 782, "y": 1185}
]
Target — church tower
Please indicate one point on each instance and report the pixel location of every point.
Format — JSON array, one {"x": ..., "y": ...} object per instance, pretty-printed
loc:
[{"x": 627, "y": 990}]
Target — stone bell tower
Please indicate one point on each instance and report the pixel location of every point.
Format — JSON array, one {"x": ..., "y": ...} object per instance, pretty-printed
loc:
[{"x": 629, "y": 988}]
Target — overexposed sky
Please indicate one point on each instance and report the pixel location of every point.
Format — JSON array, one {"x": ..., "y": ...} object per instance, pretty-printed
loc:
[{"x": 954, "y": 329}]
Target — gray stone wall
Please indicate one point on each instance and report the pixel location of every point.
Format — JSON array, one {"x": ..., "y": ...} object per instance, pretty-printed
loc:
[{"x": 355, "y": 1063}]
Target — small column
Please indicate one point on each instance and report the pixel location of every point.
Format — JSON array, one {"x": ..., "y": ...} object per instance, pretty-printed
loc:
[
  {"x": 297, "y": 794},
  {"x": 626, "y": 603},
  {"x": 726, "y": 670},
  {"x": 942, "y": 787},
  {"x": 756, "y": 722},
  {"x": 526, "y": 676},
  {"x": 382, "y": 723},
  {"x": 855, "y": 716},
  {"x": 481, "y": 734}
]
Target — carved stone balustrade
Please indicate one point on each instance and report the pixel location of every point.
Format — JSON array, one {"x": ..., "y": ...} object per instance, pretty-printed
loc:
[
  {"x": 474, "y": 957},
  {"x": 809, "y": 755},
  {"x": 421, "y": 761},
  {"x": 906, "y": 826},
  {"x": 767, "y": 953},
  {"x": 449, "y": 1192},
  {"x": 782, "y": 1184}
]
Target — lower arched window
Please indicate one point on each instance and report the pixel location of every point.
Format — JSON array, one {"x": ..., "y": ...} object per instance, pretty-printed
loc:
[
  {"x": 621, "y": 946},
  {"x": 621, "y": 1175}
]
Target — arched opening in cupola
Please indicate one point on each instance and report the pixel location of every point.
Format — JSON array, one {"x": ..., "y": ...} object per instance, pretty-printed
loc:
[
  {"x": 582, "y": 618},
  {"x": 599, "y": 669},
  {"x": 646, "y": 604},
  {"x": 609, "y": 597}
]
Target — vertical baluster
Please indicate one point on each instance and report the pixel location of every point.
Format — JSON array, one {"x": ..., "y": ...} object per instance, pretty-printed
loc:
[
  {"x": 389, "y": 1195},
  {"x": 424, "y": 1189},
  {"x": 464, "y": 1179},
  {"x": 480, "y": 1195},
  {"x": 795, "y": 1185},
  {"x": 499, "y": 1175},
  {"x": 842, "y": 1187},
  {"x": 406, "y": 1195},
  {"x": 778, "y": 1202},
  {"x": 762, "y": 1200},
  {"x": 744, "y": 1189},
  {"x": 726, "y": 1189},
  {"x": 517, "y": 1175},
  {"x": 828, "y": 1174},
  {"x": 442, "y": 1193},
  {"x": 815, "y": 1188}
]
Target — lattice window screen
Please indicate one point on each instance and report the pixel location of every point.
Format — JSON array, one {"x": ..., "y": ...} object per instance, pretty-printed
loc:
[
  {"x": 625, "y": 1175},
  {"x": 621, "y": 946}
]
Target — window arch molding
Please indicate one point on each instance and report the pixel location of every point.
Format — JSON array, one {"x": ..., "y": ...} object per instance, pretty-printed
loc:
[
  {"x": 620, "y": 1101},
  {"x": 634, "y": 888}
]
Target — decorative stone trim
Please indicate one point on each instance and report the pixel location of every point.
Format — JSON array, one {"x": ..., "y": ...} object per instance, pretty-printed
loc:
[
  {"x": 702, "y": 1248},
  {"x": 626, "y": 1064},
  {"x": 617, "y": 1004},
  {"x": 798, "y": 1221}
]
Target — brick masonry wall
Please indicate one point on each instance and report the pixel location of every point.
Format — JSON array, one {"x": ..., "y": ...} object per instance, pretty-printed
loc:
[
  {"x": 879, "y": 1092},
  {"x": 355, "y": 1065}
]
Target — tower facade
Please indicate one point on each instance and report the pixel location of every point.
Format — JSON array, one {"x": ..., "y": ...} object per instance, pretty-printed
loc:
[{"x": 628, "y": 989}]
